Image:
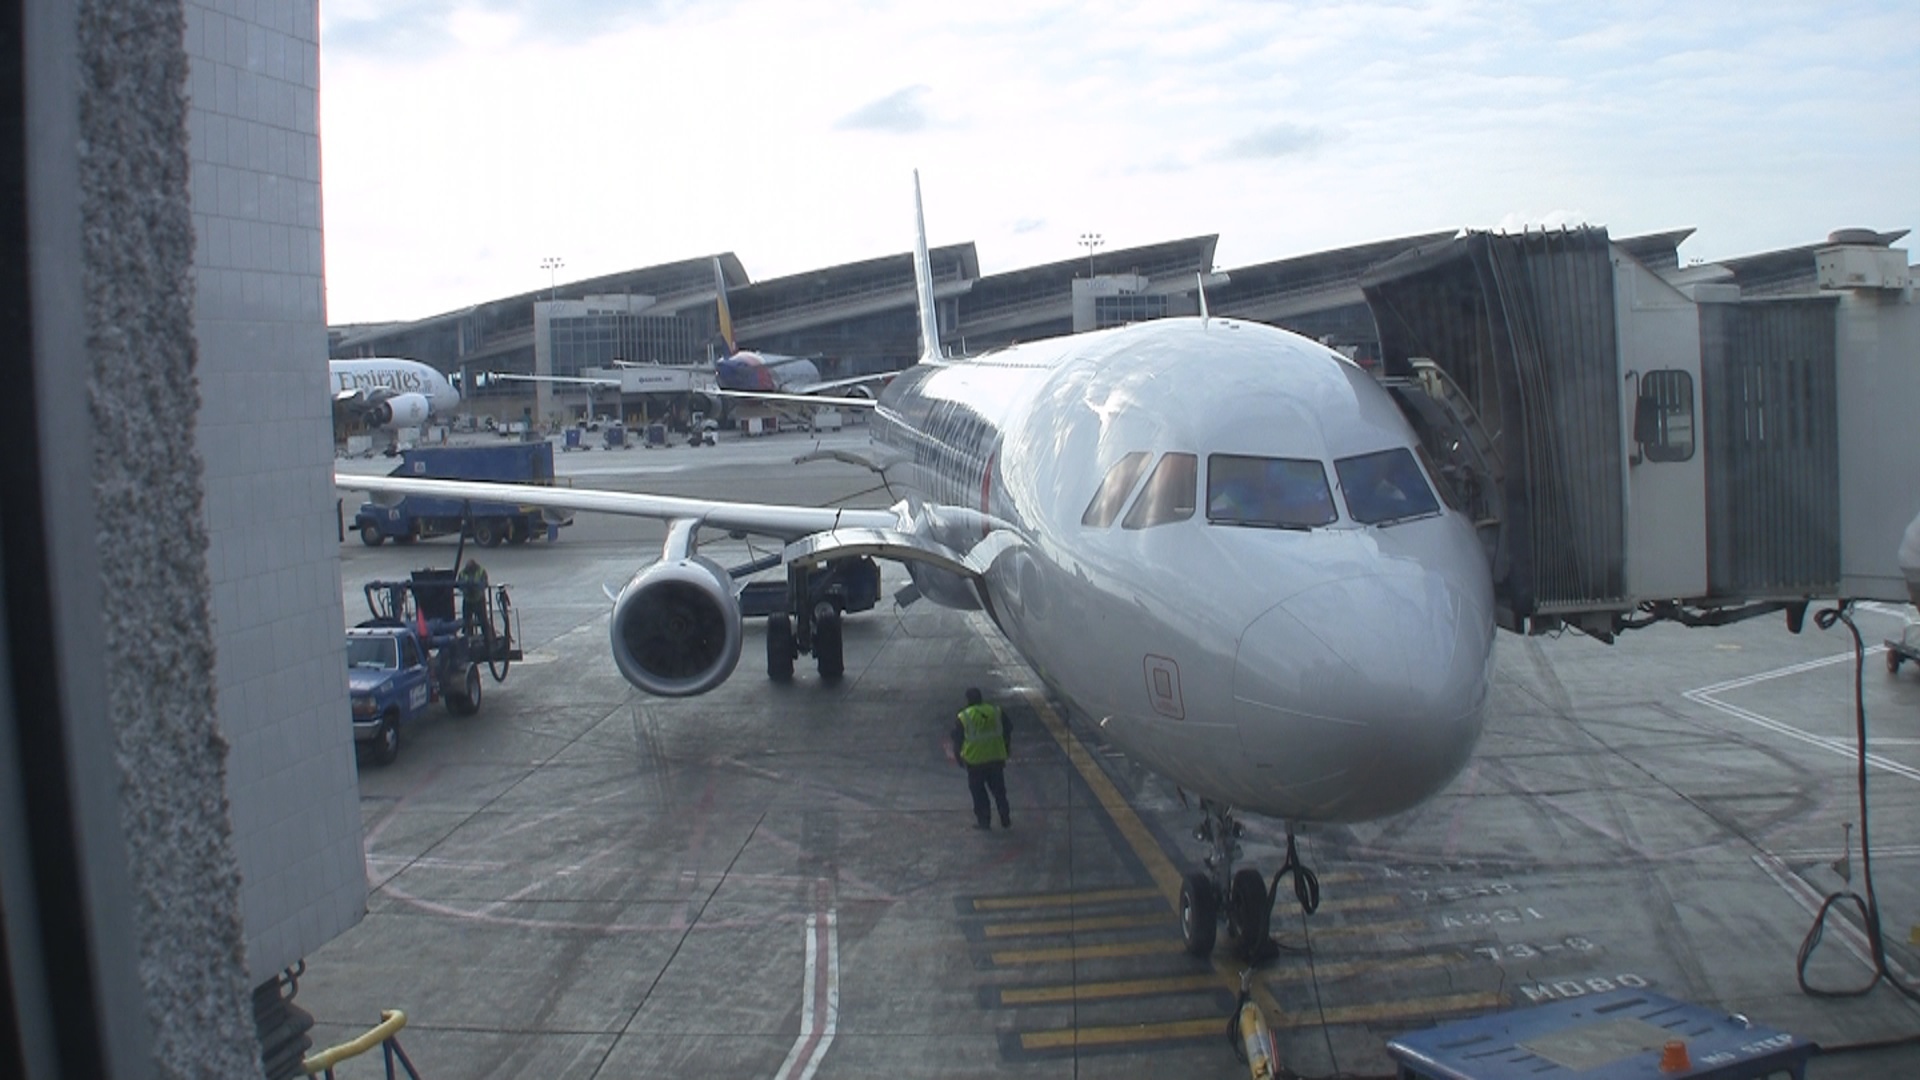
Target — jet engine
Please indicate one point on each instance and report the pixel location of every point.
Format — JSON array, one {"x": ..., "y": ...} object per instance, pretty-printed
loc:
[
  {"x": 676, "y": 628},
  {"x": 400, "y": 410}
]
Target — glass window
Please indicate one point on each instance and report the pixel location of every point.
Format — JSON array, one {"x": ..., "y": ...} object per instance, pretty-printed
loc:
[
  {"x": 409, "y": 655},
  {"x": 370, "y": 652},
  {"x": 1271, "y": 493},
  {"x": 1168, "y": 494},
  {"x": 1114, "y": 490},
  {"x": 1385, "y": 487},
  {"x": 1663, "y": 420}
]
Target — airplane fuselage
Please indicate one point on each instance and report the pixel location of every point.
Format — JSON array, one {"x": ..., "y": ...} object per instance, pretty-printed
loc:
[
  {"x": 1333, "y": 671},
  {"x": 765, "y": 373}
]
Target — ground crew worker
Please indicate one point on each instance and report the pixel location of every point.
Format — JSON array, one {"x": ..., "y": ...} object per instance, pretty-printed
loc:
[
  {"x": 472, "y": 580},
  {"x": 982, "y": 740}
]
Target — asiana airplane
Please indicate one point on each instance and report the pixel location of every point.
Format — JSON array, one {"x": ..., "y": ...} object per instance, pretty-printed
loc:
[{"x": 1216, "y": 539}]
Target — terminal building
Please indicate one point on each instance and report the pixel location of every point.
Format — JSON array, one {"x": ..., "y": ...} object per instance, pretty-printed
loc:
[{"x": 853, "y": 319}]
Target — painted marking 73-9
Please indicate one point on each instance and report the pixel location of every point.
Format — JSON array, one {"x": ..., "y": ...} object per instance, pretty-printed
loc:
[{"x": 1523, "y": 951}]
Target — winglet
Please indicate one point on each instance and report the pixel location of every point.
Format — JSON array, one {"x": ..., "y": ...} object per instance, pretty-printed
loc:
[
  {"x": 720, "y": 300},
  {"x": 923, "y": 280},
  {"x": 1200, "y": 285}
]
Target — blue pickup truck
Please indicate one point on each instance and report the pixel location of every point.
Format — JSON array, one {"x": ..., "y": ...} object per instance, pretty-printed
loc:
[{"x": 391, "y": 679}]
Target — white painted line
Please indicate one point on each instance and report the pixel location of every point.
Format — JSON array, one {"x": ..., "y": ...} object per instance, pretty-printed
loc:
[
  {"x": 819, "y": 1000},
  {"x": 1705, "y": 695},
  {"x": 1839, "y": 747},
  {"x": 1778, "y": 673}
]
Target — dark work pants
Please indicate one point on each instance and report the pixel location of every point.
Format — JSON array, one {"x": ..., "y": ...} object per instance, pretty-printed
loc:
[{"x": 982, "y": 779}]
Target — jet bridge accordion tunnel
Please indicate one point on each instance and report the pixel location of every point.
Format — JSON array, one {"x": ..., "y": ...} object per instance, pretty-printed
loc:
[{"x": 1636, "y": 446}]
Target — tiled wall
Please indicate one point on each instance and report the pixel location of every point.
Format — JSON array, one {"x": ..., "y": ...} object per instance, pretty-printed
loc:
[{"x": 265, "y": 435}]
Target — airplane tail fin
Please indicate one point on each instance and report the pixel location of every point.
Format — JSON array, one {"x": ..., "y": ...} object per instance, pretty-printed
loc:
[
  {"x": 720, "y": 299},
  {"x": 923, "y": 280}
]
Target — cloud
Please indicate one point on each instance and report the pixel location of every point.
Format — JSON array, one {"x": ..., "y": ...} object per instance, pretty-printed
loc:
[
  {"x": 899, "y": 112},
  {"x": 422, "y": 28},
  {"x": 1274, "y": 141}
]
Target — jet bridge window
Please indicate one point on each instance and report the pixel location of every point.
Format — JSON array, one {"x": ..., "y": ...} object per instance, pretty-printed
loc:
[
  {"x": 1270, "y": 493},
  {"x": 1168, "y": 494},
  {"x": 1663, "y": 415},
  {"x": 1385, "y": 487},
  {"x": 1114, "y": 490}
]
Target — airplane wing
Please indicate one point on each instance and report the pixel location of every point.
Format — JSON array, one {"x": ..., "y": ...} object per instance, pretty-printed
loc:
[
  {"x": 840, "y": 384},
  {"x": 572, "y": 379},
  {"x": 787, "y": 523},
  {"x": 803, "y": 399}
]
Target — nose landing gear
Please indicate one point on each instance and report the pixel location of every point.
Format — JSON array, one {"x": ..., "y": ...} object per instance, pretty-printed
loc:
[{"x": 1247, "y": 899}]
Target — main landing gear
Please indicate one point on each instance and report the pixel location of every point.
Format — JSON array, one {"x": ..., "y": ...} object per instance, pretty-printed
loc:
[
  {"x": 811, "y": 628},
  {"x": 1240, "y": 897}
]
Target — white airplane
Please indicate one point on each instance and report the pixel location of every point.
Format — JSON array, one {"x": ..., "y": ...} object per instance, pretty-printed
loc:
[
  {"x": 388, "y": 392},
  {"x": 1217, "y": 539}
]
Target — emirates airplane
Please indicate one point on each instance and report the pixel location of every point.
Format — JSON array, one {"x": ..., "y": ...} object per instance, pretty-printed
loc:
[
  {"x": 1216, "y": 539},
  {"x": 390, "y": 392}
]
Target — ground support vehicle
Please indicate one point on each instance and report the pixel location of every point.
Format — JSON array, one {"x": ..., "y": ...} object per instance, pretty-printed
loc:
[
  {"x": 427, "y": 641},
  {"x": 416, "y": 517}
]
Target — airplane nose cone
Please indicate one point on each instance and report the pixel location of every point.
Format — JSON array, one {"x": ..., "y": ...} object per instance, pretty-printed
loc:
[{"x": 1374, "y": 686}]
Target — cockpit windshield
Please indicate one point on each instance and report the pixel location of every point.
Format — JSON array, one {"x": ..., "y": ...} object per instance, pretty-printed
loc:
[
  {"x": 371, "y": 652},
  {"x": 1167, "y": 495},
  {"x": 1271, "y": 493},
  {"x": 1385, "y": 487},
  {"x": 1114, "y": 490}
]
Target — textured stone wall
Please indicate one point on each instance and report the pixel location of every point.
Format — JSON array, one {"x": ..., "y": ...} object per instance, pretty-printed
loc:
[{"x": 159, "y": 661}]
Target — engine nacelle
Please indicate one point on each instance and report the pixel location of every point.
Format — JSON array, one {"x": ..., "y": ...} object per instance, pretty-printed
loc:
[
  {"x": 676, "y": 628},
  {"x": 401, "y": 410}
]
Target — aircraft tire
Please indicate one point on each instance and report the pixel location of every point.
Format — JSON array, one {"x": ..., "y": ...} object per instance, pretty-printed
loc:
[
  {"x": 1199, "y": 914},
  {"x": 386, "y": 745},
  {"x": 1248, "y": 913},
  {"x": 828, "y": 652},
  {"x": 779, "y": 647},
  {"x": 371, "y": 535}
]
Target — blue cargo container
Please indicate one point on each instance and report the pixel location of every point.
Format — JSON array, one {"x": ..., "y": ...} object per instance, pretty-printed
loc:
[{"x": 416, "y": 517}]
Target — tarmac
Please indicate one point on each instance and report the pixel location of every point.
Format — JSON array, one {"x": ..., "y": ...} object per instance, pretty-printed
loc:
[{"x": 783, "y": 880}]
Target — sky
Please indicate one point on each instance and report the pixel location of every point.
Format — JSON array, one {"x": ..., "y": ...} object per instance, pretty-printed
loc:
[{"x": 464, "y": 143}]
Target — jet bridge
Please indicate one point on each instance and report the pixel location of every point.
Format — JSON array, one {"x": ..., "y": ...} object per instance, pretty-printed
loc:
[{"x": 1638, "y": 445}]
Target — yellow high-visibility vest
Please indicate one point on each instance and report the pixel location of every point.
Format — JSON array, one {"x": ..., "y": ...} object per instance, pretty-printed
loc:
[{"x": 982, "y": 742}]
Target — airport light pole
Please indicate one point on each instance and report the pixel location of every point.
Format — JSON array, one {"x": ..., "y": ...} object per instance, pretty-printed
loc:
[
  {"x": 1091, "y": 240},
  {"x": 552, "y": 264}
]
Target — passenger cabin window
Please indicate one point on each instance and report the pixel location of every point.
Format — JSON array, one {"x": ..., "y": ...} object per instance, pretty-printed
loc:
[
  {"x": 1114, "y": 490},
  {"x": 1385, "y": 487},
  {"x": 1663, "y": 415},
  {"x": 1168, "y": 495},
  {"x": 1268, "y": 493}
]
